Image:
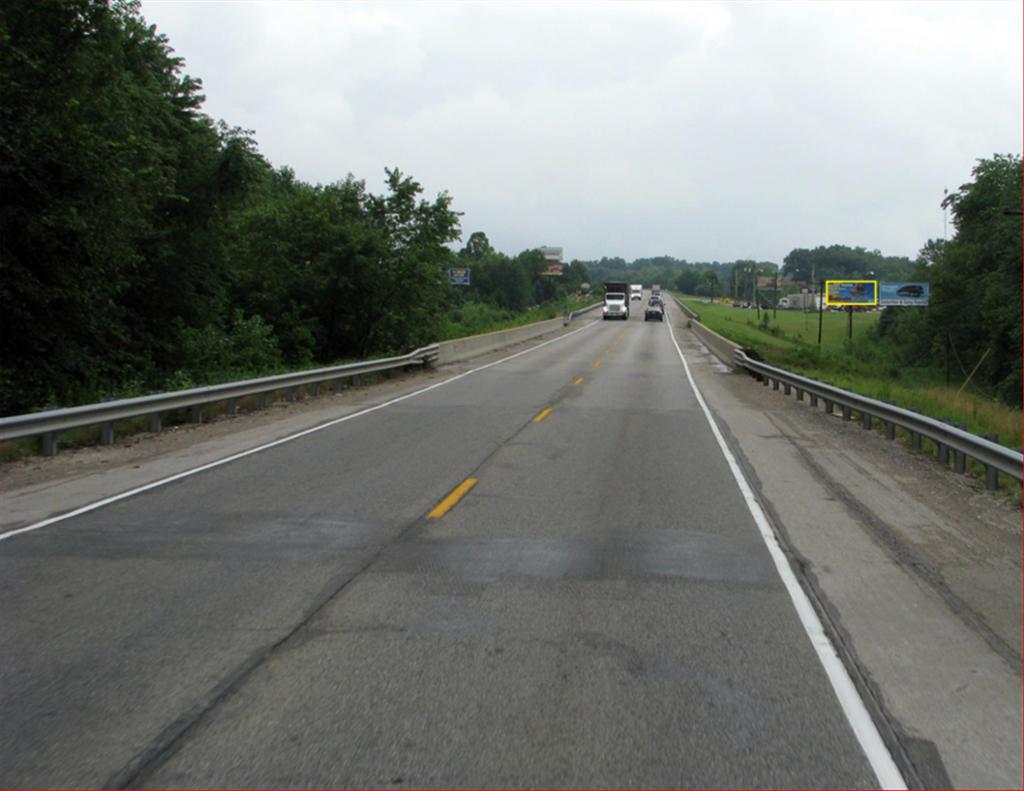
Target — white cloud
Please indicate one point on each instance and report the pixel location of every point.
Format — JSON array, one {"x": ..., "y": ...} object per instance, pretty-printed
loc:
[{"x": 702, "y": 130}]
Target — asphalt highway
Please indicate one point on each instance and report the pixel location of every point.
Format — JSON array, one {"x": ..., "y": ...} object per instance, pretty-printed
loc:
[{"x": 593, "y": 606}]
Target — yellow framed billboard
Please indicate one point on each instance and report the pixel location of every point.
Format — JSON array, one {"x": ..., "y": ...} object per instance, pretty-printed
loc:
[{"x": 851, "y": 293}]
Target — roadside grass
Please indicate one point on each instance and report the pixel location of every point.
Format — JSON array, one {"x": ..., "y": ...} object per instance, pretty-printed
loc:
[
  {"x": 475, "y": 318},
  {"x": 793, "y": 327},
  {"x": 790, "y": 340}
]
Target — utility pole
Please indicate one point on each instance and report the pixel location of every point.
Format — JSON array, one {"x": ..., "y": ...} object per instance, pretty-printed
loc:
[
  {"x": 945, "y": 194},
  {"x": 821, "y": 309}
]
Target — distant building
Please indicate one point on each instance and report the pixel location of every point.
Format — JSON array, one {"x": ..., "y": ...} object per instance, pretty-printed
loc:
[{"x": 553, "y": 256}]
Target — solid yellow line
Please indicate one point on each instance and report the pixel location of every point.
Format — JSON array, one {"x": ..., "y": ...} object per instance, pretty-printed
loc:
[
  {"x": 579, "y": 380},
  {"x": 542, "y": 414},
  {"x": 449, "y": 502}
]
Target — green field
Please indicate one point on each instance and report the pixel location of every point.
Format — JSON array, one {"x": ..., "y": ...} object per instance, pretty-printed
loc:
[
  {"x": 790, "y": 340},
  {"x": 794, "y": 327}
]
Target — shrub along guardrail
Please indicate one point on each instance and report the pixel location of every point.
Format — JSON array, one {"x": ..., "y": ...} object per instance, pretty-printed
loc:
[
  {"x": 950, "y": 440},
  {"x": 51, "y": 423}
]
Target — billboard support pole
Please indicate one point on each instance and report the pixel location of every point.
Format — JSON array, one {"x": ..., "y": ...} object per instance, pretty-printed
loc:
[
  {"x": 849, "y": 322},
  {"x": 821, "y": 308}
]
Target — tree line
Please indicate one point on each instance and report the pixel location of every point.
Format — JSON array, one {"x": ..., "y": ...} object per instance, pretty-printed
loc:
[{"x": 145, "y": 246}]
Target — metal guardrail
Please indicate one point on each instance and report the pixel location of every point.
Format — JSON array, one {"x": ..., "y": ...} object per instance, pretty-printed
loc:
[
  {"x": 51, "y": 423},
  {"x": 949, "y": 439},
  {"x": 573, "y": 314}
]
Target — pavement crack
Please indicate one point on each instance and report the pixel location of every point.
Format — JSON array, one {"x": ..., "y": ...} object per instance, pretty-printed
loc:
[{"x": 906, "y": 558}]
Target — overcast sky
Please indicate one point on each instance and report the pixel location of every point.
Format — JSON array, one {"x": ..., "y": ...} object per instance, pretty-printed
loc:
[{"x": 706, "y": 131}]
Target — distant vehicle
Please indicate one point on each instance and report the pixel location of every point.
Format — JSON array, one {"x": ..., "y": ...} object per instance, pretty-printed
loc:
[
  {"x": 910, "y": 290},
  {"x": 654, "y": 312},
  {"x": 656, "y": 288},
  {"x": 616, "y": 300},
  {"x": 656, "y": 300},
  {"x": 636, "y": 291},
  {"x": 799, "y": 301}
]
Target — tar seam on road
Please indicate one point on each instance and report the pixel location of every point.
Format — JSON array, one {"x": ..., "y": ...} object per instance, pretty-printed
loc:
[
  {"x": 170, "y": 479},
  {"x": 542, "y": 414},
  {"x": 174, "y": 736},
  {"x": 452, "y": 499},
  {"x": 853, "y": 706}
]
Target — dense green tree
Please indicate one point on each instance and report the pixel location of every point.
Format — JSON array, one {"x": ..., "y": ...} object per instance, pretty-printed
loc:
[
  {"x": 975, "y": 287},
  {"x": 96, "y": 126}
]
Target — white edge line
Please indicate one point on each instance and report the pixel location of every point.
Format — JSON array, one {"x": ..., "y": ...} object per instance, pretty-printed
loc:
[
  {"x": 178, "y": 476},
  {"x": 878, "y": 755}
]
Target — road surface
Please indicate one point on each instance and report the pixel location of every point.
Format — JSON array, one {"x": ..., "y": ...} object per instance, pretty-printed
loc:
[{"x": 598, "y": 609}]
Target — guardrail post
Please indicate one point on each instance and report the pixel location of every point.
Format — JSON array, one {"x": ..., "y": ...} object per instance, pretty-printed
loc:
[
  {"x": 775, "y": 384},
  {"x": 865, "y": 420},
  {"x": 799, "y": 394},
  {"x": 814, "y": 399},
  {"x": 357, "y": 380},
  {"x": 944, "y": 449},
  {"x": 313, "y": 390},
  {"x": 991, "y": 473},
  {"x": 890, "y": 430},
  {"x": 232, "y": 406},
  {"x": 338, "y": 385},
  {"x": 264, "y": 398},
  {"x": 292, "y": 393},
  {"x": 764, "y": 380},
  {"x": 50, "y": 441},
  {"x": 786, "y": 389},
  {"x": 156, "y": 422},
  {"x": 915, "y": 440},
  {"x": 197, "y": 413},
  {"x": 107, "y": 433},
  {"x": 847, "y": 413}
]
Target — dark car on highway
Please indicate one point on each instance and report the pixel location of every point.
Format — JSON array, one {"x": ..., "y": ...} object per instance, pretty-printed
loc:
[{"x": 654, "y": 312}]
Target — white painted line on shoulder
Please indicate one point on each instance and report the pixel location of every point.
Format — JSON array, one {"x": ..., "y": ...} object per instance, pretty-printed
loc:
[
  {"x": 178, "y": 476},
  {"x": 882, "y": 763}
]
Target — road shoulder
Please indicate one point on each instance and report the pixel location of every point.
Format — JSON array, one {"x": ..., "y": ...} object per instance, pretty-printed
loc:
[{"x": 916, "y": 572}]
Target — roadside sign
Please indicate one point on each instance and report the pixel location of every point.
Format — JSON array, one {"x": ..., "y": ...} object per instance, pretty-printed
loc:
[
  {"x": 904, "y": 294},
  {"x": 847, "y": 293},
  {"x": 458, "y": 276}
]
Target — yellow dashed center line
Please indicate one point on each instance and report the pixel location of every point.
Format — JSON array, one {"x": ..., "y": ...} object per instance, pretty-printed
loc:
[
  {"x": 449, "y": 502},
  {"x": 542, "y": 414},
  {"x": 597, "y": 363},
  {"x": 579, "y": 380}
]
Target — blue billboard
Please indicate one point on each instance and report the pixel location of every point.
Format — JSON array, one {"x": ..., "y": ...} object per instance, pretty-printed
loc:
[
  {"x": 904, "y": 294},
  {"x": 849, "y": 293},
  {"x": 458, "y": 276}
]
